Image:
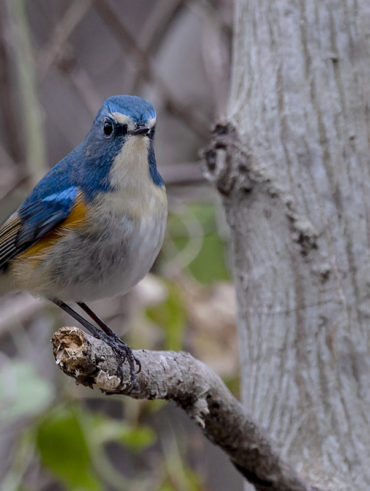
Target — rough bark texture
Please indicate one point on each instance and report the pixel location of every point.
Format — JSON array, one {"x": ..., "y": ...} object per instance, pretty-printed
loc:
[
  {"x": 292, "y": 164},
  {"x": 195, "y": 388}
]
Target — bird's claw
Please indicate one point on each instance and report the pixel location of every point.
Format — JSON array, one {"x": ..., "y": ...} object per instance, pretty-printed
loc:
[{"x": 125, "y": 353}]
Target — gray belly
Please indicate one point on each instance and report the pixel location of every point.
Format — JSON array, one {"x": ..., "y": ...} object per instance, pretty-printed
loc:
[{"x": 104, "y": 263}]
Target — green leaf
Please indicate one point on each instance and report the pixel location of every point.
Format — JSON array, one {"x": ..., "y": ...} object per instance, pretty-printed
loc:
[
  {"x": 64, "y": 449},
  {"x": 23, "y": 392}
]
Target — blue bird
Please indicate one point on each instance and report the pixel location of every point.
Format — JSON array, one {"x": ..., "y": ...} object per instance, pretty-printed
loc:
[{"x": 94, "y": 224}]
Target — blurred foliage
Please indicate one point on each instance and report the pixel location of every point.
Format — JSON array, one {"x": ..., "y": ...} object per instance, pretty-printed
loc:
[
  {"x": 71, "y": 442},
  {"x": 64, "y": 448},
  {"x": 23, "y": 392},
  {"x": 82, "y": 437}
]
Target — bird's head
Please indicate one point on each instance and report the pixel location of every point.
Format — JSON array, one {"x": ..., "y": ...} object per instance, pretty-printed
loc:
[
  {"x": 125, "y": 116},
  {"x": 121, "y": 140}
]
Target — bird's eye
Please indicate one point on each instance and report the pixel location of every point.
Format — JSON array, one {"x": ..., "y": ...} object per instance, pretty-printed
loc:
[{"x": 108, "y": 128}]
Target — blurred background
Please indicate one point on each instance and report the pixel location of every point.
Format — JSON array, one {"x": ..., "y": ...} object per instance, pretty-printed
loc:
[{"x": 58, "y": 61}]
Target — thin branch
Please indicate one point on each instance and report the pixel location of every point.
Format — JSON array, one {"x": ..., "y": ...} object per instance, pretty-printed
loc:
[
  {"x": 155, "y": 29},
  {"x": 195, "y": 388},
  {"x": 61, "y": 33},
  {"x": 10, "y": 124},
  {"x": 81, "y": 80},
  {"x": 58, "y": 53},
  {"x": 159, "y": 22}
]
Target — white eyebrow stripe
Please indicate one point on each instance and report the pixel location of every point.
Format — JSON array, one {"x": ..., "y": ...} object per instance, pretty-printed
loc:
[{"x": 123, "y": 119}]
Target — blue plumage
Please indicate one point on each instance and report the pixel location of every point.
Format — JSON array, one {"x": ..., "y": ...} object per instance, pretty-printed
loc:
[{"x": 155, "y": 175}]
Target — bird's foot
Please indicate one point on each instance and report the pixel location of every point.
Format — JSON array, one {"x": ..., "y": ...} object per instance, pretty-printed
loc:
[{"x": 124, "y": 353}]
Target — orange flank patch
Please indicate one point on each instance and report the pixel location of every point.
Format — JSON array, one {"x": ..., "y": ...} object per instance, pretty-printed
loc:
[
  {"x": 74, "y": 220},
  {"x": 77, "y": 216}
]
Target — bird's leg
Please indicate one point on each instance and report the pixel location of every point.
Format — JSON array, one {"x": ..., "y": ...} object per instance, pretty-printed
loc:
[
  {"x": 99, "y": 321},
  {"x": 130, "y": 356},
  {"x": 90, "y": 327},
  {"x": 120, "y": 348}
]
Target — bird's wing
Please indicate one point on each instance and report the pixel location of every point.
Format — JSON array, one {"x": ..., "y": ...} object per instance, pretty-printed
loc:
[{"x": 33, "y": 220}]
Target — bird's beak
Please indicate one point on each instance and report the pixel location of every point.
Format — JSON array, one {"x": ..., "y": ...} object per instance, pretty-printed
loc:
[{"x": 140, "y": 130}]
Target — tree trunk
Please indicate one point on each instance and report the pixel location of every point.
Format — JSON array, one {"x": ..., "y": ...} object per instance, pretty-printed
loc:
[{"x": 292, "y": 164}]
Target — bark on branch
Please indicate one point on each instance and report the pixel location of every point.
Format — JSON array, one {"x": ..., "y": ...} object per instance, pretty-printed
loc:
[{"x": 194, "y": 387}]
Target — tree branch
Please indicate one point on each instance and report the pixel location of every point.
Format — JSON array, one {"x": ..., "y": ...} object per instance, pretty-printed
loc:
[{"x": 194, "y": 387}]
